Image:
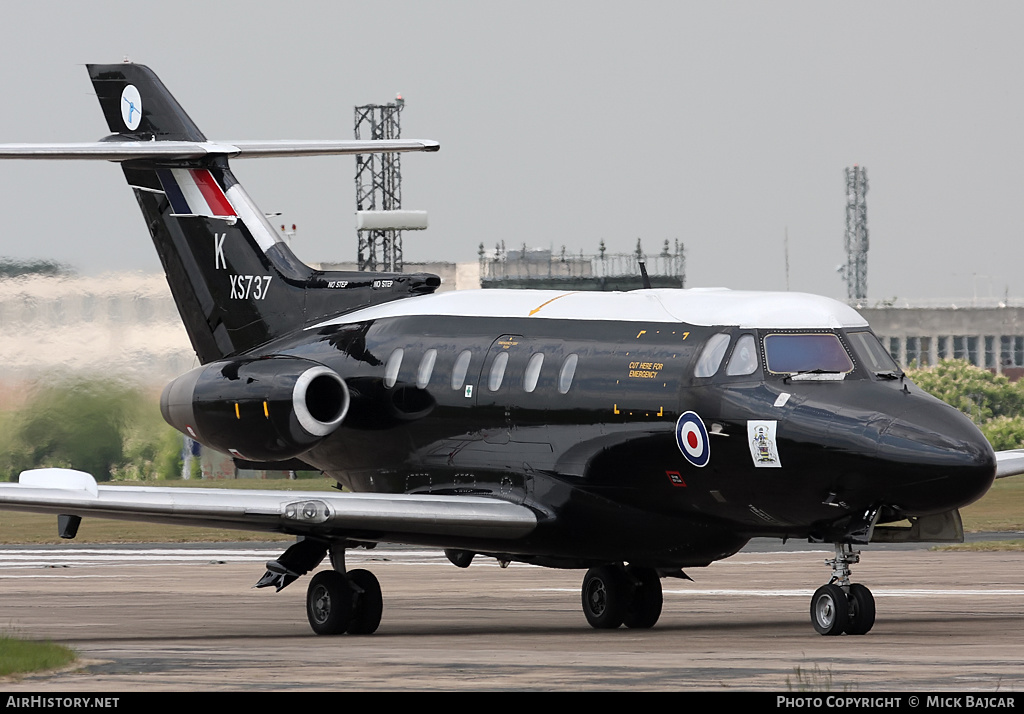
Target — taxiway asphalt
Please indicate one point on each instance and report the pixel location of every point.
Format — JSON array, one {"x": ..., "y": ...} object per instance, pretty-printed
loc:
[{"x": 178, "y": 618}]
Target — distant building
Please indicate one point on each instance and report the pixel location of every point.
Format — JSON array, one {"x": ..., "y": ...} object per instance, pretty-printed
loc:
[
  {"x": 541, "y": 269},
  {"x": 988, "y": 334}
]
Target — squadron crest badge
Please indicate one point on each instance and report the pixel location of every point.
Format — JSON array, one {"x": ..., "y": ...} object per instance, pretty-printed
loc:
[{"x": 764, "y": 449}]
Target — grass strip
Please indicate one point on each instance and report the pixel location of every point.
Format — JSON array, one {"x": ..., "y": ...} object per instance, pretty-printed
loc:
[{"x": 19, "y": 656}]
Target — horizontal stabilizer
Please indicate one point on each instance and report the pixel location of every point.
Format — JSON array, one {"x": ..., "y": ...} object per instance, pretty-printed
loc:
[
  {"x": 187, "y": 150},
  {"x": 425, "y": 517}
]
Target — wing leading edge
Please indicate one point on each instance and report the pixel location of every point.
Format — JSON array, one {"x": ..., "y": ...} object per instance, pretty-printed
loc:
[{"x": 335, "y": 515}]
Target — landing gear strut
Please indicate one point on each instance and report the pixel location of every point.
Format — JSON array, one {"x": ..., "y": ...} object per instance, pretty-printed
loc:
[
  {"x": 841, "y": 606},
  {"x": 613, "y": 595}
]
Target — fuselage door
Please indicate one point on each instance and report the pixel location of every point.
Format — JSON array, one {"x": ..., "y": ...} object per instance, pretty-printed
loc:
[{"x": 501, "y": 377}]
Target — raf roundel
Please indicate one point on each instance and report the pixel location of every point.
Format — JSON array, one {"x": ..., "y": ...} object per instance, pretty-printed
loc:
[
  {"x": 131, "y": 107},
  {"x": 692, "y": 438}
]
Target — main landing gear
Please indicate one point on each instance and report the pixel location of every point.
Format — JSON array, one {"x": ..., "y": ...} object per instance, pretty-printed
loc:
[
  {"x": 614, "y": 595},
  {"x": 336, "y": 601},
  {"x": 344, "y": 602},
  {"x": 841, "y": 606}
]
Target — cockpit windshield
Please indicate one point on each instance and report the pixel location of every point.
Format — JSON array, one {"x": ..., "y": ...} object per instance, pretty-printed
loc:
[{"x": 806, "y": 353}]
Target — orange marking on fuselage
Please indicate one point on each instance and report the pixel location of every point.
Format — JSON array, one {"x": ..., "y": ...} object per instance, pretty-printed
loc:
[{"x": 537, "y": 309}]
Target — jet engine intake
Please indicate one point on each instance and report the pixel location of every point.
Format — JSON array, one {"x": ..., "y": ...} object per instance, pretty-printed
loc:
[{"x": 265, "y": 409}]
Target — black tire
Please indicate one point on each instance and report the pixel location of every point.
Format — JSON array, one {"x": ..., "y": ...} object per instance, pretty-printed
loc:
[
  {"x": 329, "y": 603},
  {"x": 830, "y": 610},
  {"x": 606, "y": 596},
  {"x": 369, "y": 604},
  {"x": 862, "y": 610},
  {"x": 645, "y": 605}
]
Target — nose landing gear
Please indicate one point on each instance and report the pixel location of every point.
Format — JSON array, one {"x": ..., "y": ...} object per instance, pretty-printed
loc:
[{"x": 841, "y": 606}]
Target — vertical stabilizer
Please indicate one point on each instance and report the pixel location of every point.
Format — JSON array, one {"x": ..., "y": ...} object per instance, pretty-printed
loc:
[{"x": 237, "y": 285}]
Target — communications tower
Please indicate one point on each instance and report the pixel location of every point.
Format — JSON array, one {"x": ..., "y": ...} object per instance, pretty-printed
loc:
[
  {"x": 855, "y": 272},
  {"x": 379, "y": 186}
]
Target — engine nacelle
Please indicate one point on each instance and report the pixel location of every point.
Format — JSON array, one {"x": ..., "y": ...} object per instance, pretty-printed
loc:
[{"x": 266, "y": 409}]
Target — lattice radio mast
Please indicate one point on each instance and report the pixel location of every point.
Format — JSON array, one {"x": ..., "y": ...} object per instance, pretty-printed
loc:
[
  {"x": 379, "y": 185},
  {"x": 855, "y": 272}
]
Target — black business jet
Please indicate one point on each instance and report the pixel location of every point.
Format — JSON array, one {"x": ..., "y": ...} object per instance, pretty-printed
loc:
[{"x": 631, "y": 434}]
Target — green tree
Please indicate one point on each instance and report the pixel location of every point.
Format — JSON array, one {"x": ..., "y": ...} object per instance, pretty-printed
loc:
[
  {"x": 78, "y": 424},
  {"x": 107, "y": 428},
  {"x": 976, "y": 392},
  {"x": 1004, "y": 432},
  {"x": 12, "y": 268}
]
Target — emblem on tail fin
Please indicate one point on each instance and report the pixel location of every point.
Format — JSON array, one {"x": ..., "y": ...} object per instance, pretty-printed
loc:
[{"x": 131, "y": 107}]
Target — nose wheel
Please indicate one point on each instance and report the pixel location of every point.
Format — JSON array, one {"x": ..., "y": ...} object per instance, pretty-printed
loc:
[{"x": 841, "y": 606}]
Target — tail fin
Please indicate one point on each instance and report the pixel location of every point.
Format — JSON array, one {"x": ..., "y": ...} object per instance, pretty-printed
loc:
[
  {"x": 237, "y": 285},
  {"x": 137, "y": 105}
]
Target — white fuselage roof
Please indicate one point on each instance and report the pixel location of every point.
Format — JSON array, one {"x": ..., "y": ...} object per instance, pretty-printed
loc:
[{"x": 694, "y": 306}]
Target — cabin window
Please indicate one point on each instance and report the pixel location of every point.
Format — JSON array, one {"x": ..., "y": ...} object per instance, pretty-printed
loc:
[
  {"x": 460, "y": 369},
  {"x": 799, "y": 353},
  {"x": 426, "y": 368},
  {"x": 711, "y": 357},
  {"x": 872, "y": 353},
  {"x": 391, "y": 370},
  {"x": 565, "y": 374},
  {"x": 497, "y": 371},
  {"x": 533, "y": 371},
  {"x": 744, "y": 357}
]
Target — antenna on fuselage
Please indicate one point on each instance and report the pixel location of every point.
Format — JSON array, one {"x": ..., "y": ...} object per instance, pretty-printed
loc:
[{"x": 643, "y": 273}]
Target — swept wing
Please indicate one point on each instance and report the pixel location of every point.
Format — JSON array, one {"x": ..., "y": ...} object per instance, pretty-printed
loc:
[{"x": 426, "y": 517}]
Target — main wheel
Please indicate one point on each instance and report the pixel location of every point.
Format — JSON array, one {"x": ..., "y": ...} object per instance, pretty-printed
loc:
[
  {"x": 606, "y": 597},
  {"x": 329, "y": 603},
  {"x": 862, "y": 610},
  {"x": 830, "y": 610},
  {"x": 645, "y": 605},
  {"x": 369, "y": 604}
]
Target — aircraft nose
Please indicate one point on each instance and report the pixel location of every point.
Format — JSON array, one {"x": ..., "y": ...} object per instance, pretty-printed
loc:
[{"x": 940, "y": 458}]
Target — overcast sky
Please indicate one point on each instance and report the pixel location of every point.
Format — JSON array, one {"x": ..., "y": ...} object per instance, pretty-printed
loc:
[{"x": 721, "y": 124}]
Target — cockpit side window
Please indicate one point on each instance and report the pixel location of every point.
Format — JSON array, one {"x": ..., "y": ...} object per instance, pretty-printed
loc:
[
  {"x": 711, "y": 357},
  {"x": 804, "y": 352},
  {"x": 744, "y": 357},
  {"x": 871, "y": 352}
]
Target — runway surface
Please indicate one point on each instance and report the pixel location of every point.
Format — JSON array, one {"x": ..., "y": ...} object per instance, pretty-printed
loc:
[{"x": 186, "y": 618}]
